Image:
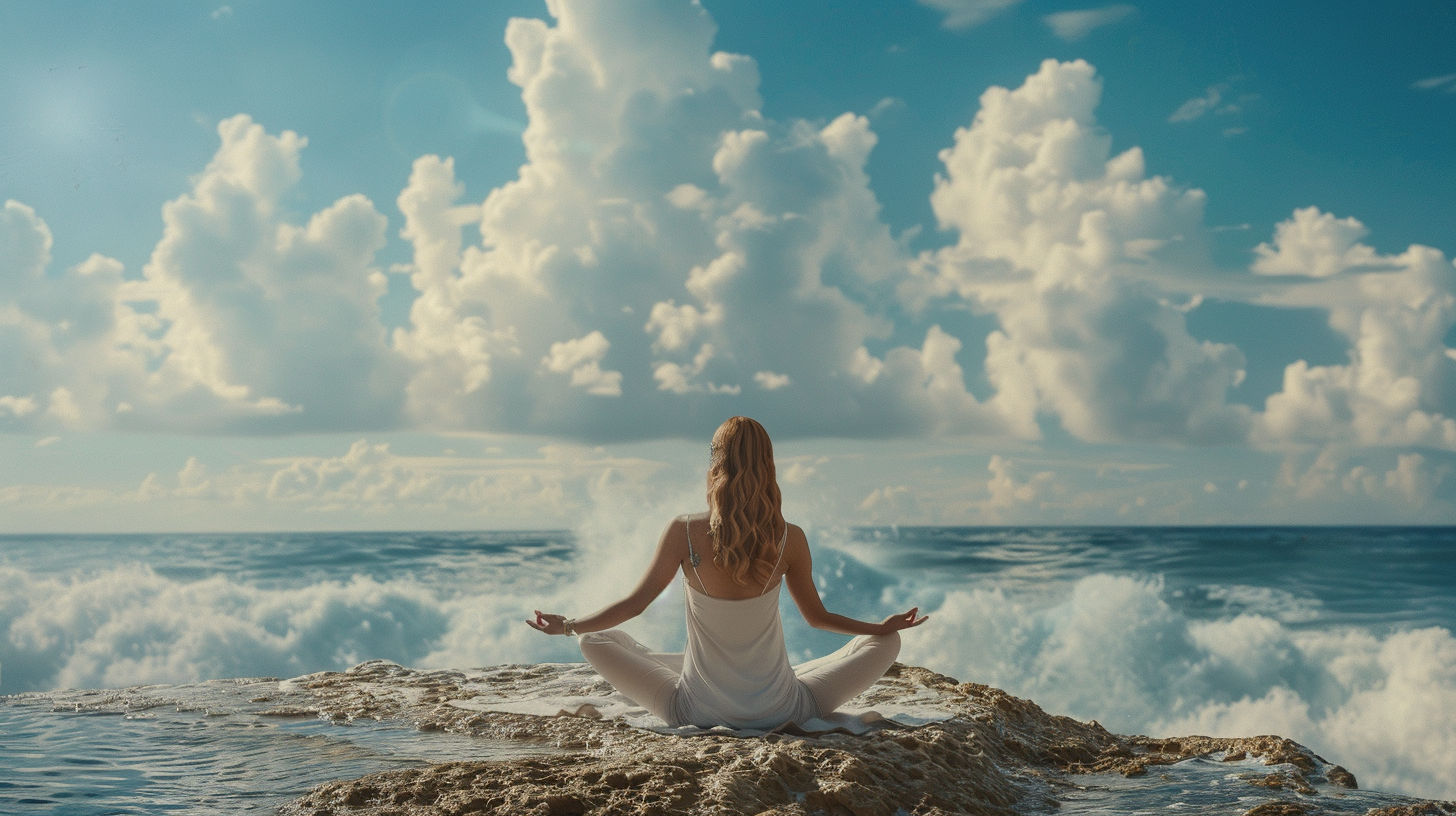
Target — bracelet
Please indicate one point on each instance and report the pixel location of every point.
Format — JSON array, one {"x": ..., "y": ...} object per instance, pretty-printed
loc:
[{"x": 569, "y": 626}]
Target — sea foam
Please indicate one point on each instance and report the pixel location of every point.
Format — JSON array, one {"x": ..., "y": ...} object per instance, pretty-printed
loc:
[{"x": 1116, "y": 651}]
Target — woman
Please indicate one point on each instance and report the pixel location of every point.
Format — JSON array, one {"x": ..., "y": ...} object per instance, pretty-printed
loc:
[{"x": 736, "y": 670}]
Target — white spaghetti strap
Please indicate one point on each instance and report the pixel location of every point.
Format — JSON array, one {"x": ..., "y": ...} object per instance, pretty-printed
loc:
[
  {"x": 693, "y": 558},
  {"x": 782, "y": 541}
]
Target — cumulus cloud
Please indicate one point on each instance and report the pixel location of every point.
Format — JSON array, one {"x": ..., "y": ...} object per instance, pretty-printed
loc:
[
  {"x": 1007, "y": 495},
  {"x": 888, "y": 502},
  {"x": 1074, "y": 25},
  {"x": 963, "y": 14},
  {"x": 661, "y": 217},
  {"x": 770, "y": 381},
  {"x": 17, "y": 406},
  {"x": 1399, "y": 387},
  {"x": 270, "y": 318},
  {"x": 1340, "y": 473},
  {"x": 581, "y": 358},
  {"x": 1057, "y": 238},
  {"x": 372, "y": 479},
  {"x": 56, "y": 346},
  {"x": 1314, "y": 244},
  {"x": 1083, "y": 260},
  {"x": 240, "y": 320}
]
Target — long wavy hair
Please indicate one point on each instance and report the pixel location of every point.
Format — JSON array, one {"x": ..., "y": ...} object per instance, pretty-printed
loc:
[{"x": 745, "y": 515}]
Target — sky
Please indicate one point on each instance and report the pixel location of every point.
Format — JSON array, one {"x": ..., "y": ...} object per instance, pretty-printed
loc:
[{"x": 295, "y": 266}]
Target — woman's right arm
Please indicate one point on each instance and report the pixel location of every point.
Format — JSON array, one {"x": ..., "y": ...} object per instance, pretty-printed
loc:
[
  {"x": 799, "y": 576},
  {"x": 665, "y": 564}
]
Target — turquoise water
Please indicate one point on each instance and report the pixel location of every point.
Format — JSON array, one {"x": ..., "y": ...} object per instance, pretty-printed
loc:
[{"x": 1338, "y": 637}]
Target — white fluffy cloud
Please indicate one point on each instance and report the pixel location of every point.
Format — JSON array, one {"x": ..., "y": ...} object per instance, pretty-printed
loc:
[
  {"x": 273, "y": 319},
  {"x": 1082, "y": 258},
  {"x": 1059, "y": 240},
  {"x": 1399, "y": 387},
  {"x": 241, "y": 320},
  {"x": 1008, "y": 495},
  {"x": 56, "y": 332},
  {"x": 1314, "y": 244},
  {"x": 667, "y": 244}
]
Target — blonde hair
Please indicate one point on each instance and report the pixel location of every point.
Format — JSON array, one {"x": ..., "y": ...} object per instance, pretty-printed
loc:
[{"x": 745, "y": 515}]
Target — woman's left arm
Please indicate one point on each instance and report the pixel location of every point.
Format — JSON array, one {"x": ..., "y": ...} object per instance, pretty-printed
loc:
[
  {"x": 799, "y": 578},
  {"x": 664, "y": 566}
]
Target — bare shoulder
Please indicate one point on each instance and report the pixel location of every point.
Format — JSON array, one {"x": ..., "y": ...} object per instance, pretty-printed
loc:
[
  {"x": 676, "y": 527},
  {"x": 696, "y": 521},
  {"x": 797, "y": 543}
]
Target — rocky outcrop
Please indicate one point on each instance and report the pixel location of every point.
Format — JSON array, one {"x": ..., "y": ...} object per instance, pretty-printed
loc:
[{"x": 999, "y": 754}]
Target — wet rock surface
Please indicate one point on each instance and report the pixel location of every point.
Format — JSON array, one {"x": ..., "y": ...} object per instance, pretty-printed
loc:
[{"x": 999, "y": 754}]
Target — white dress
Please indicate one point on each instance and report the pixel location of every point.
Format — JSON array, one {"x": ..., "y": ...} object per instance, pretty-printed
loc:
[{"x": 736, "y": 669}]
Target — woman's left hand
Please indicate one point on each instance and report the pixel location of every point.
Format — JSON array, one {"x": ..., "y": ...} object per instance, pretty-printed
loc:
[
  {"x": 904, "y": 620},
  {"x": 548, "y": 623}
]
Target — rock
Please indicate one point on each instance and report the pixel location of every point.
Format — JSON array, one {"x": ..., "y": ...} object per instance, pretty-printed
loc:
[
  {"x": 1291, "y": 781},
  {"x": 1339, "y": 776},
  {"x": 1277, "y": 809},
  {"x": 1421, "y": 809},
  {"x": 998, "y": 756}
]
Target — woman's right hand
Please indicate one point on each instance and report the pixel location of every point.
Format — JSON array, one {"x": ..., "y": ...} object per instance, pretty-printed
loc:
[
  {"x": 904, "y": 620},
  {"x": 548, "y": 623}
]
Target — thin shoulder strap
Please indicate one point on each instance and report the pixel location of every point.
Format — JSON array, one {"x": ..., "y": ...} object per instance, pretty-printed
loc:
[
  {"x": 782, "y": 541},
  {"x": 693, "y": 558}
]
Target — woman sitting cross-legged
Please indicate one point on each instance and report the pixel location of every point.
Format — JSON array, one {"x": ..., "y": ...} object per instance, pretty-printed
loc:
[{"x": 733, "y": 560}]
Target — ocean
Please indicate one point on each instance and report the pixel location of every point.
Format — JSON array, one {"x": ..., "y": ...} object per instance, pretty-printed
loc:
[{"x": 1338, "y": 637}]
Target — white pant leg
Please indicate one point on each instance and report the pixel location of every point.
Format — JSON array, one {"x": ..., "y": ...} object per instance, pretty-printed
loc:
[
  {"x": 647, "y": 678},
  {"x": 836, "y": 678}
]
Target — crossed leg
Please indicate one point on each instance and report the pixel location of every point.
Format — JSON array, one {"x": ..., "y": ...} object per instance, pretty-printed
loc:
[
  {"x": 836, "y": 678},
  {"x": 647, "y": 678}
]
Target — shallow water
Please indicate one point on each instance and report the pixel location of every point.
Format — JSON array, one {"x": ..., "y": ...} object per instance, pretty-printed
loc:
[
  {"x": 1340, "y": 638},
  {"x": 196, "y": 749}
]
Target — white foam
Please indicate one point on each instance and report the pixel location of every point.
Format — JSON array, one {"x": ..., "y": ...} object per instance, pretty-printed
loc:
[{"x": 1113, "y": 650}]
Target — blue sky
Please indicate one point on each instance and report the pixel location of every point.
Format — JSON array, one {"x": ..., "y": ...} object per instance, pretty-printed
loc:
[{"x": 1191, "y": 263}]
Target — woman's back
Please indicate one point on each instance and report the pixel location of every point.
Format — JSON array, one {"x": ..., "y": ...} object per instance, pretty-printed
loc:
[
  {"x": 736, "y": 670},
  {"x": 707, "y": 577}
]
